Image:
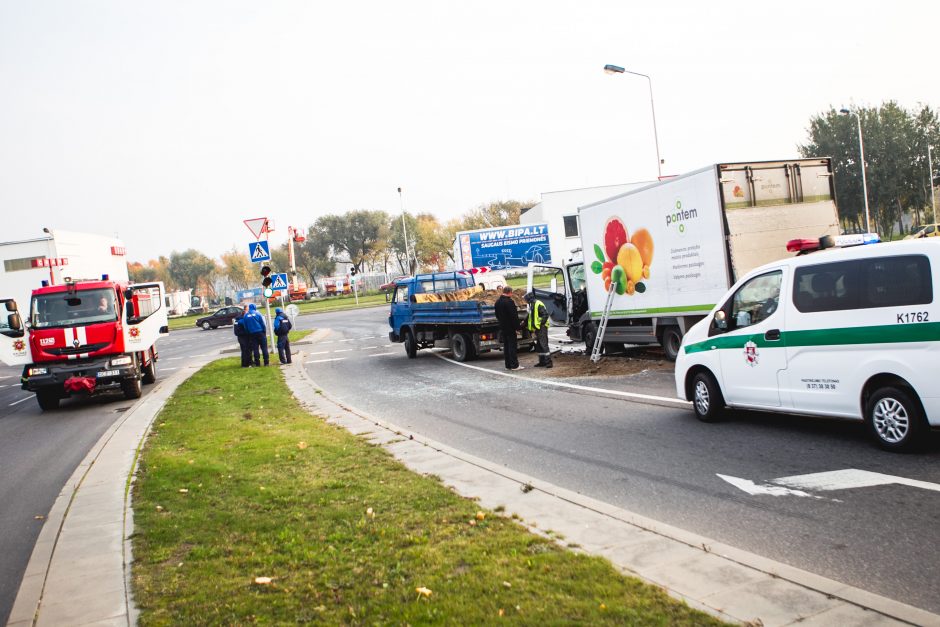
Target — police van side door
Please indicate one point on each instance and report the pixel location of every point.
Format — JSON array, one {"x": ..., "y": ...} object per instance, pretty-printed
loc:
[{"x": 752, "y": 349}]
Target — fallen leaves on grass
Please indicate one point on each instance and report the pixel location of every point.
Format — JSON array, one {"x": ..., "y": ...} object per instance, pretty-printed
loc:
[
  {"x": 263, "y": 581},
  {"x": 370, "y": 513},
  {"x": 423, "y": 592},
  {"x": 481, "y": 516},
  {"x": 302, "y": 445},
  {"x": 184, "y": 491}
]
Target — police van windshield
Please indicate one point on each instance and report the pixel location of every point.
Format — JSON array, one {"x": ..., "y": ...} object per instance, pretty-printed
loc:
[{"x": 72, "y": 309}]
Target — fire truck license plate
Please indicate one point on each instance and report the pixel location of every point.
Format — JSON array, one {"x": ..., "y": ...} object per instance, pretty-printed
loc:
[{"x": 107, "y": 373}]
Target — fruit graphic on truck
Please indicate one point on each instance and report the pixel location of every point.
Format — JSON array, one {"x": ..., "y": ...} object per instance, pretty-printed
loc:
[{"x": 624, "y": 261}]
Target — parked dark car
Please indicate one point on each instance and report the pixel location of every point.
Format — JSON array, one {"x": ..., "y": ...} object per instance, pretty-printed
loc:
[{"x": 223, "y": 316}]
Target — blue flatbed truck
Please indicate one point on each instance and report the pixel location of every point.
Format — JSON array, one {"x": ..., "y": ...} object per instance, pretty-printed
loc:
[{"x": 468, "y": 327}]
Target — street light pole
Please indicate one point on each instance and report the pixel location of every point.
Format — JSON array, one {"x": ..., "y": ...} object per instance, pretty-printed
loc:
[
  {"x": 861, "y": 150},
  {"x": 933, "y": 198},
  {"x": 616, "y": 69}
]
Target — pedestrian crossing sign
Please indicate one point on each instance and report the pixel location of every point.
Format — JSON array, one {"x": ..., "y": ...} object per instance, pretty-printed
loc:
[
  {"x": 259, "y": 251},
  {"x": 280, "y": 281}
]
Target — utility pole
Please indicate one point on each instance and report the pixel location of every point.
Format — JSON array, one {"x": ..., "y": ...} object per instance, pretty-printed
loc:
[{"x": 404, "y": 231}]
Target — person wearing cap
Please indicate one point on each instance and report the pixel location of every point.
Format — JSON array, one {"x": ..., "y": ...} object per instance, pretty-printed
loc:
[
  {"x": 508, "y": 315},
  {"x": 282, "y": 326},
  {"x": 257, "y": 334},
  {"x": 244, "y": 342},
  {"x": 538, "y": 324}
]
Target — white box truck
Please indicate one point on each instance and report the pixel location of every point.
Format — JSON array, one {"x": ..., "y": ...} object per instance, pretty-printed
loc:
[{"x": 658, "y": 258}]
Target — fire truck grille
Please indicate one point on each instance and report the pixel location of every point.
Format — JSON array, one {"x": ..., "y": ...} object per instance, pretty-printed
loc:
[{"x": 68, "y": 350}]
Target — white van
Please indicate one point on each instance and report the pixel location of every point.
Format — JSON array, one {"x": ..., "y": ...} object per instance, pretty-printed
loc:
[{"x": 848, "y": 333}]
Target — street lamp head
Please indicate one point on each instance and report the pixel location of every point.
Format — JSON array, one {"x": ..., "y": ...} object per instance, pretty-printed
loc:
[{"x": 613, "y": 69}]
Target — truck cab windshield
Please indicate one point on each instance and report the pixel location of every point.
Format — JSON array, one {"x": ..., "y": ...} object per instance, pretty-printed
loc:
[{"x": 76, "y": 309}]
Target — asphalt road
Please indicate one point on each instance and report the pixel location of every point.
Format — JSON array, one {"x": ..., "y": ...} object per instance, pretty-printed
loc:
[
  {"x": 39, "y": 451},
  {"x": 657, "y": 461}
]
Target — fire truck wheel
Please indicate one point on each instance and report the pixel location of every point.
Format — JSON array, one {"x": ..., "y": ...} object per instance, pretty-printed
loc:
[
  {"x": 131, "y": 388},
  {"x": 150, "y": 372},
  {"x": 47, "y": 399}
]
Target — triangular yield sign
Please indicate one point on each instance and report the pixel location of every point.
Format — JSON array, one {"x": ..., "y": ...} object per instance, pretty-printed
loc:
[{"x": 256, "y": 226}]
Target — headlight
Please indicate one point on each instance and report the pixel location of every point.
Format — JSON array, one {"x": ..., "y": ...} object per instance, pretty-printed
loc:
[
  {"x": 123, "y": 360},
  {"x": 34, "y": 371}
]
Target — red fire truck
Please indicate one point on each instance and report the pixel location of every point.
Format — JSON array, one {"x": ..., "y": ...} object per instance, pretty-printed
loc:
[{"x": 85, "y": 337}]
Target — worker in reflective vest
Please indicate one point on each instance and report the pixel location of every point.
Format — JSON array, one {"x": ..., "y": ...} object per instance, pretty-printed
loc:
[{"x": 538, "y": 324}]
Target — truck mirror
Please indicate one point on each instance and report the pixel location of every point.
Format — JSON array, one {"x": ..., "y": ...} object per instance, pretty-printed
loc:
[
  {"x": 388, "y": 297},
  {"x": 11, "y": 305},
  {"x": 16, "y": 326},
  {"x": 721, "y": 320},
  {"x": 164, "y": 330},
  {"x": 128, "y": 294},
  {"x": 129, "y": 309}
]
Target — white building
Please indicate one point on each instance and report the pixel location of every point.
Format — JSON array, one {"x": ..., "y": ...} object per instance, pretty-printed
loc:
[
  {"x": 560, "y": 211},
  {"x": 54, "y": 257}
]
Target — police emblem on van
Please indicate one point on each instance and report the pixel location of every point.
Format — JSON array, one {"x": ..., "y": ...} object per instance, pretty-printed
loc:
[{"x": 751, "y": 354}]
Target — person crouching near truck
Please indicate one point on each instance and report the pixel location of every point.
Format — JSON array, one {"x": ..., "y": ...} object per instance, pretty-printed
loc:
[
  {"x": 257, "y": 334},
  {"x": 244, "y": 342},
  {"x": 508, "y": 316},
  {"x": 538, "y": 324}
]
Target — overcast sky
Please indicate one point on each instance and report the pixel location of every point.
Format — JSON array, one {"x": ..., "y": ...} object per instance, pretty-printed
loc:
[{"x": 169, "y": 122}]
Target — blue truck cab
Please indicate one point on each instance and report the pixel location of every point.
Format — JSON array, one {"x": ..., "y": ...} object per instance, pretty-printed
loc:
[{"x": 468, "y": 327}]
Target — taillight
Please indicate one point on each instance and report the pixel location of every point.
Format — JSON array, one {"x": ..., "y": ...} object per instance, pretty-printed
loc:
[{"x": 802, "y": 245}]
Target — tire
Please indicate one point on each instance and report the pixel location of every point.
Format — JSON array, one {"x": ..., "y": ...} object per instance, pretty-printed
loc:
[
  {"x": 895, "y": 419},
  {"x": 411, "y": 344},
  {"x": 47, "y": 399},
  {"x": 131, "y": 388},
  {"x": 462, "y": 347},
  {"x": 589, "y": 333},
  {"x": 707, "y": 401},
  {"x": 672, "y": 341},
  {"x": 149, "y": 374},
  {"x": 206, "y": 326}
]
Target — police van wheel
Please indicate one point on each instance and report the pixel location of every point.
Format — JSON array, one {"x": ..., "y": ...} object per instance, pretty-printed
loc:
[
  {"x": 47, "y": 399},
  {"x": 462, "y": 347},
  {"x": 411, "y": 344},
  {"x": 707, "y": 400},
  {"x": 895, "y": 420}
]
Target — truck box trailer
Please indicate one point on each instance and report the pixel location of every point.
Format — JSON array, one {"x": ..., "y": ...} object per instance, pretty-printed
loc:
[{"x": 656, "y": 259}]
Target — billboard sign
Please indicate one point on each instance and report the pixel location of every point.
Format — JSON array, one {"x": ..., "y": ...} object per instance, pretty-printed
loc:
[{"x": 503, "y": 247}]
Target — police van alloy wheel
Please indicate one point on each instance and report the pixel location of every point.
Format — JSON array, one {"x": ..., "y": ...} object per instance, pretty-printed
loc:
[
  {"x": 131, "y": 388},
  {"x": 707, "y": 400},
  {"x": 47, "y": 399},
  {"x": 206, "y": 326},
  {"x": 411, "y": 344},
  {"x": 672, "y": 340},
  {"x": 894, "y": 418},
  {"x": 462, "y": 347}
]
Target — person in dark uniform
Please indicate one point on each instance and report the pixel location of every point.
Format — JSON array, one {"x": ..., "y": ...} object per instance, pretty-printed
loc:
[
  {"x": 244, "y": 342},
  {"x": 282, "y": 327},
  {"x": 508, "y": 315},
  {"x": 257, "y": 335}
]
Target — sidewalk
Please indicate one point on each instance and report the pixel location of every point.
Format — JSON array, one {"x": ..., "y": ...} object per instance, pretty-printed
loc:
[{"x": 79, "y": 570}]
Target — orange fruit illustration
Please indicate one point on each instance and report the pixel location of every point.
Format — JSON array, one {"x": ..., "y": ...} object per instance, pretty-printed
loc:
[{"x": 644, "y": 243}]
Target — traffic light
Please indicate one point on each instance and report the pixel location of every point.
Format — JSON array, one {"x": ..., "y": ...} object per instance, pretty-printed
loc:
[
  {"x": 266, "y": 281},
  {"x": 353, "y": 271}
]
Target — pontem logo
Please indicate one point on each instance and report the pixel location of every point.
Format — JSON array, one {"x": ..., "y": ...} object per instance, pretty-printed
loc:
[{"x": 679, "y": 217}]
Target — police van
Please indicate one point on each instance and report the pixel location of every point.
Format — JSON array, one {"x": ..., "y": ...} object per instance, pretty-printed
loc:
[{"x": 851, "y": 333}]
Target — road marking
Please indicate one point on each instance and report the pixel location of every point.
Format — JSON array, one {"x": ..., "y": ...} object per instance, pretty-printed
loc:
[
  {"x": 168, "y": 369},
  {"x": 369, "y": 337},
  {"x": 674, "y": 402},
  {"x": 366, "y": 348},
  {"x": 320, "y": 361},
  {"x": 343, "y": 350},
  {"x": 850, "y": 478},
  {"x": 380, "y": 354},
  {"x": 320, "y": 353},
  {"x": 348, "y": 340},
  {"x": 19, "y": 401},
  {"x": 174, "y": 358}
]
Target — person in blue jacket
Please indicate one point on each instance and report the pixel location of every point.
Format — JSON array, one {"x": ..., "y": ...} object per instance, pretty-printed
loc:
[
  {"x": 282, "y": 326},
  {"x": 257, "y": 331},
  {"x": 244, "y": 342}
]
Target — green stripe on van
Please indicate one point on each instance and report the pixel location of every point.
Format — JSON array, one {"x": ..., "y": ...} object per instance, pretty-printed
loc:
[{"x": 881, "y": 334}]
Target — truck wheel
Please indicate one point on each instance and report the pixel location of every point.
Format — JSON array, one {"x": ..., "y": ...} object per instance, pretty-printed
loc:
[
  {"x": 707, "y": 400},
  {"x": 206, "y": 326},
  {"x": 150, "y": 372},
  {"x": 47, "y": 399},
  {"x": 671, "y": 342},
  {"x": 411, "y": 344},
  {"x": 462, "y": 347},
  {"x": 131, "y": 388},
  {"x": 589, "y": 333},
  {"x": 894, "y": 418}
]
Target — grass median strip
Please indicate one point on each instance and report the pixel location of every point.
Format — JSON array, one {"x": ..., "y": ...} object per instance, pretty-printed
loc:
[{"x": 247, "y": 509}]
